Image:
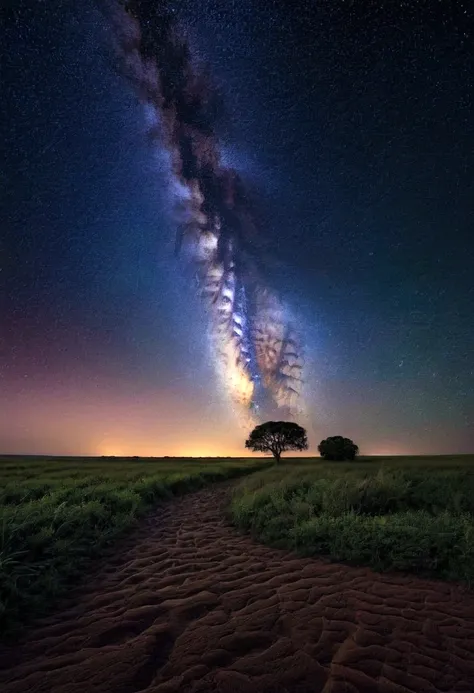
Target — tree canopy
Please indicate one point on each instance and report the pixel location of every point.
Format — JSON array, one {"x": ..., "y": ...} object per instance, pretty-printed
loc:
[
  {"x": 277, "y": 437},
  {"x": 338, "y": 448}
]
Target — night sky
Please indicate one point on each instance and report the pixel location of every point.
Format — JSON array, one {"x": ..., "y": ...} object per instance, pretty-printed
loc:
[{"x": 354, "y": 122}]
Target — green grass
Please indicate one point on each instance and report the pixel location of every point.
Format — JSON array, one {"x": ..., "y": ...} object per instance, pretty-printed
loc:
[
  {"x": 56, "y": 514},
  {"x": 412, "y": 514}
]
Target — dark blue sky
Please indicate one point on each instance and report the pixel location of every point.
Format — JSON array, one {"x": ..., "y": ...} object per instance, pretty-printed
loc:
[{"x": 355, "y": 126}]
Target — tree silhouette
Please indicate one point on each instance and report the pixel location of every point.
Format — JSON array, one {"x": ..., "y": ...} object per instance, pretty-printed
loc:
[
  {"x": 338, "y": 448},
  {"x": 277, "y": 437}
]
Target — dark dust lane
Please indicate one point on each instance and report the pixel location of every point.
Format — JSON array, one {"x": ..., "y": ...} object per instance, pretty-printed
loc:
[{"x": 189, "y": 605}]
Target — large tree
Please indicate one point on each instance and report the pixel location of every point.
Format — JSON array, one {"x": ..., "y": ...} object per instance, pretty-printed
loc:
[
  {"x": 338, "y": 448},
  {"x": 277, "y": 437}
]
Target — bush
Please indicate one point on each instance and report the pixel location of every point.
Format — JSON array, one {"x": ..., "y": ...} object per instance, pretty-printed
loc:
[
  {"x": 338, "y": 448},
  {"x": 391, "y": 519}
]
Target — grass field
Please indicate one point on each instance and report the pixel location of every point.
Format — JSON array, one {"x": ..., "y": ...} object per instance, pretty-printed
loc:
[
  {"x": 56, "y": 514},
  {"x": 414, "y": 514}
]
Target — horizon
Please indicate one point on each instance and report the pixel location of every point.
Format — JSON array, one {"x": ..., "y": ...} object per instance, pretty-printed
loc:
[
  {"x": 236, "y": 346},
  {"x": 285, "y": 456},
  {"x": 305, "y": 252}
]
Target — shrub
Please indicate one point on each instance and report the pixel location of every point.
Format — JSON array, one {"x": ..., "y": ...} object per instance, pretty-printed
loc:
[
  {"x": 338, "y": 448},
  {"x": 391, "y": 519}
]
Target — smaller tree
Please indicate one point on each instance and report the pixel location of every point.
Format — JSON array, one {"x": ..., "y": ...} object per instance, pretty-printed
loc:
[
  {"x": 277, "y": 437},
  {"x": 338, "y": 448}
]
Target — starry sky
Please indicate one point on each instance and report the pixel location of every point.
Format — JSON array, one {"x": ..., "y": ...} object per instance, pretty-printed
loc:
[{"x": 354, "y": 121}]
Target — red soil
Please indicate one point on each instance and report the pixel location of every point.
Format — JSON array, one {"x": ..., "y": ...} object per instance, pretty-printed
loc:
[{"x": 189, "y": 605}]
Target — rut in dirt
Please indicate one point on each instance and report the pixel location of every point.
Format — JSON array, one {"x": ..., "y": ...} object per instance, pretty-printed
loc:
[{"x": 189, "y": 605}]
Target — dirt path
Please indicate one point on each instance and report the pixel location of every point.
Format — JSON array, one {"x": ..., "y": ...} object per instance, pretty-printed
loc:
[{"x": 191, "y": 606}]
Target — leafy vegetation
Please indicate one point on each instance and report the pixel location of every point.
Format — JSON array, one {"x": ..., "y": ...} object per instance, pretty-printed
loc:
[
  {"x": 277, "y": 437},
  {"x": 407, "y": 514},
  {"x": 58, "y": 514},
  {"x": 337, "y": 448}
]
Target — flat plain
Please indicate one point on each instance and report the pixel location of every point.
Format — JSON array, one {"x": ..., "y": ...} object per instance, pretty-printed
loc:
[
  {"x": 57, "y": 514},
  {"x": 185, "y": 601},
  {"x": 394, "y": 513}
]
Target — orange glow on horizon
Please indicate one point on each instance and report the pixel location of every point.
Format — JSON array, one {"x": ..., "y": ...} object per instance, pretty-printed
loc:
[
  {"x": 87, "y": 418},
  {"x": 387, "y": 451},
  {"x": 198, "y": 451}
]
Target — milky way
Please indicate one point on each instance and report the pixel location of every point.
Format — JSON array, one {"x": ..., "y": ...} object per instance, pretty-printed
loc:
[{"x": 257, "y": 352}]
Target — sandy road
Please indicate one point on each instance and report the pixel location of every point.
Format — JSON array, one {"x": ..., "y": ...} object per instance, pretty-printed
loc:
[{"x": 189, "y": 605}]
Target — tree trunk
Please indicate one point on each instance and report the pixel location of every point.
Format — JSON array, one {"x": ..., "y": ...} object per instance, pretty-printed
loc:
[{"x": 277, "y": 456}]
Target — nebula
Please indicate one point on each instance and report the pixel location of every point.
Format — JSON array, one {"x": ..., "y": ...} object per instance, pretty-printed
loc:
[{"x": 256, "y": 350}]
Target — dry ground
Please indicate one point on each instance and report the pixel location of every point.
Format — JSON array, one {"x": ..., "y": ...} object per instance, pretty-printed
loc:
[{"x": 189, "y": 605}]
